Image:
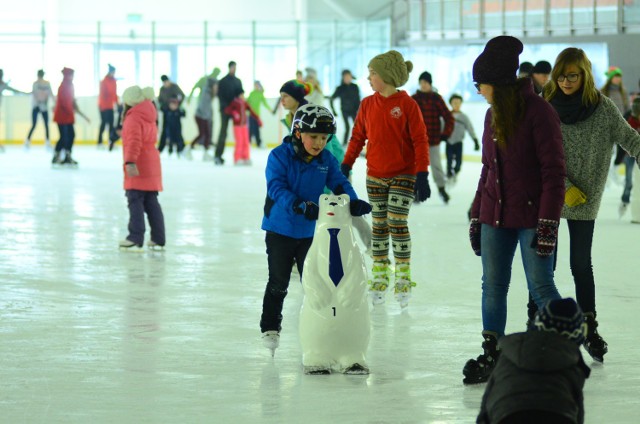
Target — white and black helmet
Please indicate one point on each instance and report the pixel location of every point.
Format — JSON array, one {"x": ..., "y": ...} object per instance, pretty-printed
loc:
[{"x": 313, "y": 118}]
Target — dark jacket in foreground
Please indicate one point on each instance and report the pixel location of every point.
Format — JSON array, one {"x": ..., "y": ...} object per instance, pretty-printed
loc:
[{"x": 537, "y": 371}]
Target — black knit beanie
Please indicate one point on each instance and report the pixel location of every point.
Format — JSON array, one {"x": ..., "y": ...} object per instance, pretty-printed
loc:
[
  {"x": 498, "y": 63},
  {"x": 542, "y": 67},
  {"x": 425, "y": 76}
]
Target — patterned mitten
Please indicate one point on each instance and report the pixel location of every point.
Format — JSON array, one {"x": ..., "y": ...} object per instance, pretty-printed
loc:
[
  {"x": 546, "y": 237},
  {"x": 474, "y": 235}
]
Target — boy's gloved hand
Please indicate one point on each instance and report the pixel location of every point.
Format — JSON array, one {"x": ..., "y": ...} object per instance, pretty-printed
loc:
[
  {"x": 421, "y": 188},
  {"x": 475, "y": 229},
  {"x": 309, "y": 209},
  {"x": 546, "y": 237},
  {"x": 359, "y": 207},
  {"x": 346, "y": 169}
]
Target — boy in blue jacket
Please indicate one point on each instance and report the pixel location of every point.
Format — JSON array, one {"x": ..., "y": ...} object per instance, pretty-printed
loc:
[{"x": 297, "y": 172}]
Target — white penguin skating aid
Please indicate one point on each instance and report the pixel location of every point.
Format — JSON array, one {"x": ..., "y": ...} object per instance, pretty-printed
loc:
[{"x": 334, "y": 319}]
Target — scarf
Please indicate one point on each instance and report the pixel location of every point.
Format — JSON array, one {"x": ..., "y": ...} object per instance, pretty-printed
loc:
[{"x": 570, "y": 108}]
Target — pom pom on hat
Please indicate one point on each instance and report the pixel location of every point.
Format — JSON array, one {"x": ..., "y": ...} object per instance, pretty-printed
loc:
[
  {"x": 498, "y": 62},
  {"x": 134, "y": 95},
  {"x": 298, "y": 90},
  {"x": 613, "y": 71},
  {"x": 562, "y": 316},
  {"x": 542, "y": 67},
  {"x": 392, "y": 68}
]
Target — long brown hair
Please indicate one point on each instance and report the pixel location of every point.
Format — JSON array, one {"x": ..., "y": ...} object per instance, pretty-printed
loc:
[
  {"x": 577, "y": 57},
  {"x": 507, "y": 110}
]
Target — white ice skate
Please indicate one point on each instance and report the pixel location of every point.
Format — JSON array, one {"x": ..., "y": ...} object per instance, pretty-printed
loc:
[
  {"x": 271, "y": 340},
  {"x": 403, "y": 285},
  {"x": 152, "y": 245},
  {"x": 380, "y": 282},
  {"x": 128, "y": 245}
]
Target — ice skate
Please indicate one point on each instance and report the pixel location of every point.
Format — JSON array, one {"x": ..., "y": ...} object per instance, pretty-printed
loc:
[
  {"x": 206, "y": 157},
  {"x": 479, "y": 370},
  {"x": 622, "y": 209},
  {"x": 380, "y": 282},
  {"x": 356, "y": 369},
  {"x": 27, "y": 144},
  {"x": 444, "y": 195},
  {"x": 152, "y": 245},
  {"x": 47, "y": 145},
  {"x": 271, "y": 340},
  {"x": 403, "y": 284},
  {"x": 127, "y": 244},
  {"x": 594, "y": 344},
  {"x": 56, "y": 159},
  {"x": 316, "y": 370},
  {"x": 68, "y": 160},
  {"x": 187, "y": 153}
]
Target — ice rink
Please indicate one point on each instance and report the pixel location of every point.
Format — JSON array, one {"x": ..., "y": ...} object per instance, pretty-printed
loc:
[{"x": 90, "y": 334}]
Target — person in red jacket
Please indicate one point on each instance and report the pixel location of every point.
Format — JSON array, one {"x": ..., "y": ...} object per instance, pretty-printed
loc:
[
  {"x": 237, "y": 110},
  {"x": 391, "y": 124},
  {"x": 64, "y": 116},
  {"x": 142, "y": 170},
  {"x": 434, "y": 111},
  {"x": 107, "y": 99},
  {"x": 519, "y": 196}
]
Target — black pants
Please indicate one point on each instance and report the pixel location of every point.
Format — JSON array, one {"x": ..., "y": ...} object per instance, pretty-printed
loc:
[
  {"x": 172, "y": 129},
  {"x": 34, "y": 119},
  {"x": 106, "y": 119},
  {"x": 281, "y": 252},
  {"x": 346, "y": 114},
  {"x": 222, "y": 138},
  {"x": 254, "y": 131},
  {"x": 141, "y": 202},
  {"x": 67, "y": 136},
  {"x": 454, "y": 154},
  {"x": 580, "y": 243}
]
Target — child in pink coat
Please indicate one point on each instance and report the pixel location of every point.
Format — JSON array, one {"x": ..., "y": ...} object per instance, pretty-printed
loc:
[
  {"x": 142, "y": 170},
  {"x": 237, "y": 109}
]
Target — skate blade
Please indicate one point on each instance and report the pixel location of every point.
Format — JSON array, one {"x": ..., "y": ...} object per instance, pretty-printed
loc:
[
  {"x": 473, "y": 381},
  {"x": 133, "y": 249},
  {"x": 316, "y": 371},
  {"x": 356, "y": 369}
]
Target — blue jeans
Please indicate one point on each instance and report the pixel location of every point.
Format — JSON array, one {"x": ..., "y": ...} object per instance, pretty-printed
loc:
[
  {"x": 498, "y": 246},
  {"x": 629, "y": 164}
]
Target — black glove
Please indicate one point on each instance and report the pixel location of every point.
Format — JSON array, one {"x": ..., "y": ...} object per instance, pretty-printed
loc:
[
  {"x": 546, "y": 237},
  {"x": 444, "y": 138},
  {"x": 359, "y": 207},
  {"x": 474, "y": 235},
  {"x": 309, "y": 209},
  {"x": 476, "y": 145},
  {"x": 421, "y": 188},
  {"x": 346, "y": 169}
]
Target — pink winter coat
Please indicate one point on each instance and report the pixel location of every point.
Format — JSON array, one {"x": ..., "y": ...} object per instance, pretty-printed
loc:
[{"x": 139, "y": 134}]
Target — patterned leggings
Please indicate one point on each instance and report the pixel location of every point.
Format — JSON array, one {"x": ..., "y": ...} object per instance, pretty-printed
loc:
[{"x": 391, "y": 200}]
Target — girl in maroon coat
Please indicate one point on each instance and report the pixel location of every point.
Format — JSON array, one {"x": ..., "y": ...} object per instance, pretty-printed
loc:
[
  {"x": 520, "y": 193},
  {"x": 142, "y": 171}
]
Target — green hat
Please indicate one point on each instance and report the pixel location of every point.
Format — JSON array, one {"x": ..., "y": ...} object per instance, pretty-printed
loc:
[
  {"x": 613, "y": 71},
  {"x": 392, "y": 68}
]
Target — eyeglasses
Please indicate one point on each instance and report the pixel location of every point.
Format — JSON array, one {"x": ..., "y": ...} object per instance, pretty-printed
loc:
[
  {"x": 569, "y": 77},
  {"x": 477, "y": 85}
]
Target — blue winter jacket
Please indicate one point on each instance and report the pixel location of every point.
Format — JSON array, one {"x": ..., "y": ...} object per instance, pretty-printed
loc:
[{"x": 290, "y": 180}]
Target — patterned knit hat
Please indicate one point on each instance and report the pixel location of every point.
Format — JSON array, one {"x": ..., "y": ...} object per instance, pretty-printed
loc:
[
  {"x": 498, "y": 62},
  {"x": 298, "y": 90},
  {"x": 562, "y": 316},
  {"x": 392, "y": 68},
  {"x": 613, "y": 71}
]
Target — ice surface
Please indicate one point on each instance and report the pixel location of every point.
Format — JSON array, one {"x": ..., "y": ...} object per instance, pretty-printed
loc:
[{"x": 90, "y": 334}]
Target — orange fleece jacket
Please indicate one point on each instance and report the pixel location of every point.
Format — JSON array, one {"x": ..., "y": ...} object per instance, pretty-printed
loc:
[{"x": 395, "y": 133}]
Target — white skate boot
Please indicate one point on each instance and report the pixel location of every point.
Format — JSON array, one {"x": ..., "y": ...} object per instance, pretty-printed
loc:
[
  {"x": 380, "y": 282},
  {"x": 129, "y": 245},
  {"x": 152, "y": 245},
  {"x": 403, "y": 284},
  {"x": 271, "y": 340}
]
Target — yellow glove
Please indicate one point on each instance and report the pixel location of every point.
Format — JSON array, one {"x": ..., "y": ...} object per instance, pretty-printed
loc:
[{"x": 574, "y": 197}]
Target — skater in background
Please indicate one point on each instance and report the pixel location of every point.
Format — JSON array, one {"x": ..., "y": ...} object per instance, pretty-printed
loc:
[
  {"x": 204, "y": 113},
  {"x": 293, "y": 95},
  {"x": 169, "y": 91},
  {"x": 40, "y": 95},
  {"x": 237, "y": 110},
  {"x": 256, "y": 100},
  {"x": 115, "y": 135},
  {"x": 5, "y": 86},
  {"x": 519, "y": 196},
  {"x": 229, "y": 87},
  {"x": 107, "y": 100},
  {"x": 434, "y": 111},
  {"x": 541, "y": 373},
  {"x": 173, "y": 117},
  {"x": 390, "y": 123},
  {"x": 64, "y": 115},
  {"x": 315, "y": 96},
  {"x": 615, "y": 90},
  {"x": 525, "y": 70},
  {"x": 591, "y": 126},
  {"x": 629, "y": 163},
  {"x": 349, "y": 95},
  {"x": 142, "y": 169},
  {"x": 462, "y": 125},
  {"x": 540, "y": 75},
  {"x": 297, "y": 172}
]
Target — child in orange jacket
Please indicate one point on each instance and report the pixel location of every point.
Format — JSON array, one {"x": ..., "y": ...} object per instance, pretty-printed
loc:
[{"x": 391, "y": 124}]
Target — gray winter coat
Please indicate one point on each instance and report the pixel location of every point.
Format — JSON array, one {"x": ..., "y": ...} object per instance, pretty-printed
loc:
[
  {"x": 587, "y": 150},
  {"x": 536, "y": 371}
]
